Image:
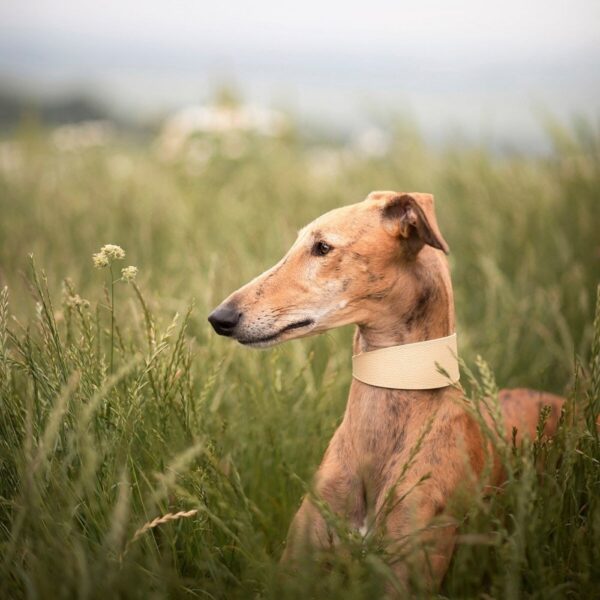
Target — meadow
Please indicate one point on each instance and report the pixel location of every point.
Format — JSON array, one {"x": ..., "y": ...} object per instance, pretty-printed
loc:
[{"x": 119, "y": 405}]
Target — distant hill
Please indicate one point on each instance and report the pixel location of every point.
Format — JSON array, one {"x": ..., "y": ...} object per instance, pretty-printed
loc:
[{"x": 71, "y": 109}]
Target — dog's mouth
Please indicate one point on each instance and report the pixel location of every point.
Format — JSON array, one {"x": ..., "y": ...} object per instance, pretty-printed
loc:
[{"x": 259, "y": 341}]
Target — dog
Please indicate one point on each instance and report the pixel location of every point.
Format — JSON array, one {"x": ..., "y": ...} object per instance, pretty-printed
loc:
[{"x": 381, "y": 265}]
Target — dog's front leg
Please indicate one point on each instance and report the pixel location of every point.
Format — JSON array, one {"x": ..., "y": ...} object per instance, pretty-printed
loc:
[
  {"x": 337, "y": 486},
  {"x": 420, "y": 541},
  {"x": 308, "y": 532}
]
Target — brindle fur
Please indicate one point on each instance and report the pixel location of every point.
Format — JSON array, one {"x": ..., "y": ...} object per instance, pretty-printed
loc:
[{"x": 387, "y": 274}]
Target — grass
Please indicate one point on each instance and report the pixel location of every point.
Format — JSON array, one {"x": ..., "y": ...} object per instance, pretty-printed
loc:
[{"x": 146, "y": 457}]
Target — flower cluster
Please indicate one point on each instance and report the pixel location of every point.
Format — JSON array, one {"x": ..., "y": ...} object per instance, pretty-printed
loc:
[
  {"x": 100, "y": 261},
  {"x": 129, "y": 274},
  {"x": 107, "y": 255}
]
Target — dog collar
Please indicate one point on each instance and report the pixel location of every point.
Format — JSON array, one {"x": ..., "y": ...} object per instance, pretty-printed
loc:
[{"x": 410, "y": 366}]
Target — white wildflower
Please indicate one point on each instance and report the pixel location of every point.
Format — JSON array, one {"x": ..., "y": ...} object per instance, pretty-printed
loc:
[
  {"x": 129, "y": 273},
  {"x": 107, "y": 254},
  {"x": 113, "y": 252},
  {"x": 100, "y": 260}
]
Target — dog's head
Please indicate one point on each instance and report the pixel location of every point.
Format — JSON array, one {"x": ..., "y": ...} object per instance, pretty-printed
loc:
[{"x": 341, "y": 269}]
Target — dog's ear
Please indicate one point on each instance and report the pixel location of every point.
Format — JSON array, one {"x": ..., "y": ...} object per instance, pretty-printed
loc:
[{"x": 412, "y": 216}]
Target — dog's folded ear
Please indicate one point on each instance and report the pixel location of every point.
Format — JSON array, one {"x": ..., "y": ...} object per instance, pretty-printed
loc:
[{"x": 412, "y": 216}]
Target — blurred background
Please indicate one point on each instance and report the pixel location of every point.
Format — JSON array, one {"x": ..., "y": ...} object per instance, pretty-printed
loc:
[{"x": 482, "y": 72}]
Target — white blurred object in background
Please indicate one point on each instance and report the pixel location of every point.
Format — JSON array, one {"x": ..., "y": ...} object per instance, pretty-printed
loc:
[
  {"x": 223, "y": 121},
  {"x": 82, "y": 135}
]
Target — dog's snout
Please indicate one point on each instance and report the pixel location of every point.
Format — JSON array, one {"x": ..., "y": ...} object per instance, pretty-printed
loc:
[{"x": 224, "y": 319}]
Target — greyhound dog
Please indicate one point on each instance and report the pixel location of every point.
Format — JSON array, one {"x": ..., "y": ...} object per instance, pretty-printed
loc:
[{"x": 380, "y": 264}]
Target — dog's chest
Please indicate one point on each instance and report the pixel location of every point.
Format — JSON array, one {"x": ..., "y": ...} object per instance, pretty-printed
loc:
[{"x": 382, "y": 426}]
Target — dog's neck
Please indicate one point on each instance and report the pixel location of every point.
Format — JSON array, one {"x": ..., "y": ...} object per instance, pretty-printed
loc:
[{"x": 419, "y": 306}]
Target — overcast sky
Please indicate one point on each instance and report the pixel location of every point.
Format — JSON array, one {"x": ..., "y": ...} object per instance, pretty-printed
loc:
[
  {"x": 506, "y": 28},
  {"x": 449, "y": 61}
]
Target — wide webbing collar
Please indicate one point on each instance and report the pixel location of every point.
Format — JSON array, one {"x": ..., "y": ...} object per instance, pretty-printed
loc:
[{"x": 410, "y": 366}]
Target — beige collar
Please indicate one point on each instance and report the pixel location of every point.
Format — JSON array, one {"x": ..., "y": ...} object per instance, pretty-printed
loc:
[{"x": 410, "y": 366}]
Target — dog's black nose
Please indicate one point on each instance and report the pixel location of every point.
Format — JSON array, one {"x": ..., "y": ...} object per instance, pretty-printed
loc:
[{"x": 224, "y": 319}]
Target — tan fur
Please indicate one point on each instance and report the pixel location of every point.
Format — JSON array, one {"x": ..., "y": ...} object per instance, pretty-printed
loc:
[{"x": 387, "y": 273}]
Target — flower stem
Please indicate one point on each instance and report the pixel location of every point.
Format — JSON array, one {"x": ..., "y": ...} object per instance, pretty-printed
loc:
[{"x": 112, "y": 319}]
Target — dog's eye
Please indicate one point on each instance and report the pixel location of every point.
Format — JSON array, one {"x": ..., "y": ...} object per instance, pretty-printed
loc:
[{"x": 321, "y": 248}]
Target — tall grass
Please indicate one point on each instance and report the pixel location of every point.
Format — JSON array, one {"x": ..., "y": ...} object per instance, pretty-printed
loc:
[{"x": 176, "y": 472}]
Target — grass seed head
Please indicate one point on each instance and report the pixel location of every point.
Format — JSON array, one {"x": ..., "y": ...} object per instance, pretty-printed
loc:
[{"x": 76, "y": 301}]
